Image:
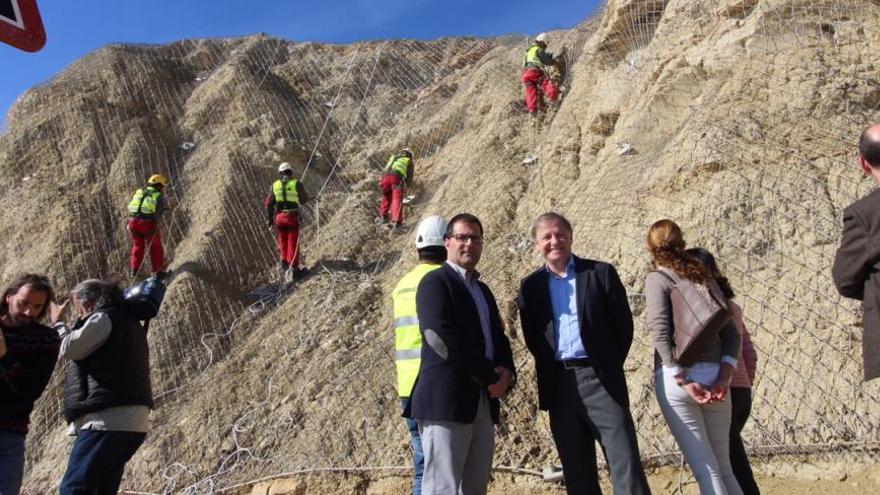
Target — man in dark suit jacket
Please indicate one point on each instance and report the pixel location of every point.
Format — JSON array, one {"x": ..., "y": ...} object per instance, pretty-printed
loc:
[
  {"x": 578, "y": 326},
  {"x": 856, "y": 269},
  {"x": 466, "y": 367}
]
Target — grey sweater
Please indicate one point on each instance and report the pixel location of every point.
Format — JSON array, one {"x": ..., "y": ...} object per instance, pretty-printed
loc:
[{"x": 659, "y": 320}]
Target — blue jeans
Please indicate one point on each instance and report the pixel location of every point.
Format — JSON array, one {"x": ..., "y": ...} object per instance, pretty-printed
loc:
[
  {"x": 97, "y": 461},
  {"x": 418, "y": 456},
  {"x": 11, "y": 462}
]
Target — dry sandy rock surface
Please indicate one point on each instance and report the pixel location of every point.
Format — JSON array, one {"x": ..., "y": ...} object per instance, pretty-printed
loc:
[{"x": 736, "y": 118}]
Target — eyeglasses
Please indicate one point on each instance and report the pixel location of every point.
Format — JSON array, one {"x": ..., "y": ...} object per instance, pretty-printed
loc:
[{"x": 463, "y": 238}]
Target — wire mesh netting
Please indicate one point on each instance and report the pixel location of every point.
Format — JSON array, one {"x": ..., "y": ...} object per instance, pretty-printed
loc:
[{"x": 737, "y": 119}]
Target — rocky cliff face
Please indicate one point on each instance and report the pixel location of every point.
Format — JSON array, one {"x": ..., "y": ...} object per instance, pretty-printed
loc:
[{"x": 740, "y": 118}]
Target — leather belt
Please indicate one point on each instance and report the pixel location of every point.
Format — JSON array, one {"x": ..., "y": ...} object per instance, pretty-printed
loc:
[{"x": 575, "y": 363}]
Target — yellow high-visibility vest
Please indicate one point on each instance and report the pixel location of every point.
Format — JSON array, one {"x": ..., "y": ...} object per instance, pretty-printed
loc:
[
  {"x": 145, "y": 201},
  {"x": 407, "y": 338},
  {"x": 532, "y": 57},
  {"x": 399, "y": 164},
  {"x": 285, "y": 192}
]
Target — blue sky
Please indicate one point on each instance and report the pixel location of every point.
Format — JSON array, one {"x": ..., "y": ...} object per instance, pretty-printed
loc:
[{"x": 77, "y": 27}]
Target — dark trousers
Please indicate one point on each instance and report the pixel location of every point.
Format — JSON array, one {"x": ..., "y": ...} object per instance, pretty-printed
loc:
[
  {"x": 741, "y": 404},
  {"x": 97, "y": 461},
  {"x": 583, "y": 413},
  {"x": 418, "y": 456}
]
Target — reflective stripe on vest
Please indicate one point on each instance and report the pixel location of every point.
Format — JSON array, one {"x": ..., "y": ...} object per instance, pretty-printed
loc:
[
  {"x": 399, "y": 164},
  {"x": 407, "y": 338},
  {"x": 144, "y": 202},
  {"x": 285, "y": 192},
  {"x": 532, "y": 57}
]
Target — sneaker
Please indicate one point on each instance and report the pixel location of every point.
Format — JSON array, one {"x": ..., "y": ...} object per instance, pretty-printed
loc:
[
  {"x": 285, "y": 266},
  {"x": 380, "y": 220},
  {"x": 160, "y": 275}
]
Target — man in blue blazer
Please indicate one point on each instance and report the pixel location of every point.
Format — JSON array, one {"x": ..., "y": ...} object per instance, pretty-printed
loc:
[
  {"x": 466, "y": 367},
  {"x": 578, "y": 326}
]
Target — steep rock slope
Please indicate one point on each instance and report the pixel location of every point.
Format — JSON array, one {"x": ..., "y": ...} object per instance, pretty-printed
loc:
[{"x": 743, "y": 117}]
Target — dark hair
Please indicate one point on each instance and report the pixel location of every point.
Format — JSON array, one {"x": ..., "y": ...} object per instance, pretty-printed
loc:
[
  {"x": 432, "y": 254},
  {"x": 869, "y": 147},
  {"x": 707, "y": 259},
  {"x": 36, "y": 282},
  {"x": 550, "y": 216},
  {"x": 465, "y": 218}
]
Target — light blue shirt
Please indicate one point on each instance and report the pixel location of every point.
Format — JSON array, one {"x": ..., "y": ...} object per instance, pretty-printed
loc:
[
  {"x": 566, "y": 328},
  {"x": 470, "y": 281}
]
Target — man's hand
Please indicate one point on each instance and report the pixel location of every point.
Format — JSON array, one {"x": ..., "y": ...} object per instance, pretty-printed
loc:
[
  {"x": 499, "y": 388},
  {"x": 2, "y": 344},
  {"x": 56, "y": 311}
]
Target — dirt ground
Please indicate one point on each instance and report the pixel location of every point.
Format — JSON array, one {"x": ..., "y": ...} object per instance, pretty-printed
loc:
[
  {"x": 828, "y": 478},
  {"x": 736, "y": 118}
]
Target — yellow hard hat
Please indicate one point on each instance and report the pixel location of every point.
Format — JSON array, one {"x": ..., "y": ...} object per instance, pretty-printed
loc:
[{"x": 158, "y": 179}]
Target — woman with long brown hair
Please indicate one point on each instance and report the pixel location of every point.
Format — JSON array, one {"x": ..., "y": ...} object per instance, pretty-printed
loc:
[{"x": 692, "y": 397}]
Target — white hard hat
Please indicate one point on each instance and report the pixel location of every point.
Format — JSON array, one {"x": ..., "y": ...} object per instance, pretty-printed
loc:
[
  {"x": 430, "y": 232},
  {"x": 541, "y": 38},
  {"x": 285, "y": 167},
  {"x": 406, "y": 151}
]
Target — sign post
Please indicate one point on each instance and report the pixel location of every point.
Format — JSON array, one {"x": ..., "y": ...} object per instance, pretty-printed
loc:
[{"x": 21, "y": 25}]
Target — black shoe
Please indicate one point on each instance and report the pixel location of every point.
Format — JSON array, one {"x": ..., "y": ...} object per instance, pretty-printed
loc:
[
  {"x": 160, "y": 275},
  {"x": 285, "y": 266},
  {"x": 134, "y": 272}
]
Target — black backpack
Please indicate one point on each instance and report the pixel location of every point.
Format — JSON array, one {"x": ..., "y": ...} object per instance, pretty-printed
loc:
[{"x": 144, "y": 299}]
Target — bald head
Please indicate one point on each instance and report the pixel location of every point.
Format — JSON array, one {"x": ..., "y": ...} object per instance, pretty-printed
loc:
[{"x": 869, "y": 146}]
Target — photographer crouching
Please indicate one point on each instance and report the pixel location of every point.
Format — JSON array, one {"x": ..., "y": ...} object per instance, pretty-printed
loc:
[{"x": 107, "y": 392}]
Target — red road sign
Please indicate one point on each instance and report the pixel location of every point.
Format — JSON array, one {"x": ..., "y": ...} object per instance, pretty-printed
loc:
[{"x": 21, "y": 25}]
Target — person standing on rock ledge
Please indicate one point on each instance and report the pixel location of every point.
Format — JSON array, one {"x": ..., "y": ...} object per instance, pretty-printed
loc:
[
  {"x": 578, "y": 326},
  {"x": 536, "y": 80},
  {"x": 144, "y": 211},
  {"x": 856, "y": 269},
  {"x": 407, "y": 335},
  {"x": 467, "y": 366},
  {"x": 282, "y": 209}
]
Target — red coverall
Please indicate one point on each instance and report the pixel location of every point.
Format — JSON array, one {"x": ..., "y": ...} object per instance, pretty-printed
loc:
[
  {"x": 536, "y": 84},
  {"x": 285, "y": 218},
  {"x": 144, "y": 232},
  {"x": 392, "y": 197},
  {"x": 287, "y": 235}
]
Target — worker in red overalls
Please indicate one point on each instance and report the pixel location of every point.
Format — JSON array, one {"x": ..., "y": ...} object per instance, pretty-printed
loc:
[
  {"x": 398, "y": 170},
  {"x": 536, "y": 80},
  {"x": 144, "y": 211},
  {"x": 282, "y": 208}
]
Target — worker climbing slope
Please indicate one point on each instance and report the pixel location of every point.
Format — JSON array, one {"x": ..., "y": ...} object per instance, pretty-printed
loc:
[
  {"x": 144, "y": 211},
  {"x": 282, "y": 209},
  {"x": 538, "y": 83},
  {"x": 399, "y": 169}
]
